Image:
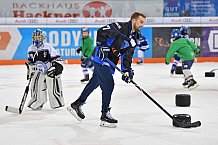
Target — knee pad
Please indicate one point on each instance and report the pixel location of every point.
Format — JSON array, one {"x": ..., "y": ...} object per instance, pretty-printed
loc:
[
  {"x": 38, "y": 91},
  {"x": 55, "y": 91}
]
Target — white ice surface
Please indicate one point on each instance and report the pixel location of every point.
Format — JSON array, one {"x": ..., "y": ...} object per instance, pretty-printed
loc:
[{"x": 141, "y": 122}]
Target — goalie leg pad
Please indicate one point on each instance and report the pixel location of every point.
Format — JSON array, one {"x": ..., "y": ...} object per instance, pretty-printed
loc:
[
  {"x": 55, "y": 92},
  {"x": 38, "y": 91}
]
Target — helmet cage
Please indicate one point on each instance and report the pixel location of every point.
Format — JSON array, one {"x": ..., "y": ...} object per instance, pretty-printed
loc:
[{"x": 37, "y": 38}]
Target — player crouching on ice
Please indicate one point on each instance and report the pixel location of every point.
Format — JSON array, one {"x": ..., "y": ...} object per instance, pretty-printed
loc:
[
  {"x": 186, "y": 50},
  {"x": 44, "y": 69}
]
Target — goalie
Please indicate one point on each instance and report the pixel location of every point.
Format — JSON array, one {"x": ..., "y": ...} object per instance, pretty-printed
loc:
[{"x": 45, "y": 71}]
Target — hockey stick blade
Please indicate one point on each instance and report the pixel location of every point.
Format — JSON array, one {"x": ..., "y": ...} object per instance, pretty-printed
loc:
[
  {"x": 196, "y": 124},
  {"x": 188, "y": 125},
  {"x": 12, "y": 110}
]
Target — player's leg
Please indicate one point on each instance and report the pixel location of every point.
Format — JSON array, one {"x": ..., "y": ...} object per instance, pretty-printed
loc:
[
  {"x": 189, "y": 80},
  {"x": 90, "y": 65},
  {"x": 38, "y": 91},
  {"x": 106, "y": 83},
  {"x": 140, "y": 56},
  {"x": 55, "y": 91},
  {"x": 54, "y": 85},
  {"x": 85, "y": 70},
  {"x": 175, "y": 63},
  {"x": 76, "y": 107}
]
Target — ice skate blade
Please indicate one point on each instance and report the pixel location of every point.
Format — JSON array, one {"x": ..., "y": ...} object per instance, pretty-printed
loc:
[
  {"x": 185, "y": 86},
  {"x": 109, "y": 125},
  {"x": 193, "y": 87},
  {"x": 73, "y": 112}
]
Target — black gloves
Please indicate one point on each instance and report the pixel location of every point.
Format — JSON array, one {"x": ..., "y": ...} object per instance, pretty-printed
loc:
[
  {"x": 166, "y": 62},
  {"x": 78, "y": 50},
  {"x": 103, "y": 52},
  {"x": 127, "y": 75}
]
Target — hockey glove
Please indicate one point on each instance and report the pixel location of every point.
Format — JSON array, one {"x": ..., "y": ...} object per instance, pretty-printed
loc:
[
  {"x": 198, "y": 52},
  {"x": 166, "y": 62},
  {"x": 127, "y": 75},
  {"x": 55, "y": 69},
  {"x": 78, "y": 50},
  {"x": 103, "y": 52}
]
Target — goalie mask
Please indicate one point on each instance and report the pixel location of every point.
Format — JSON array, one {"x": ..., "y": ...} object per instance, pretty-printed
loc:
[{"x": 37, "y": 38}]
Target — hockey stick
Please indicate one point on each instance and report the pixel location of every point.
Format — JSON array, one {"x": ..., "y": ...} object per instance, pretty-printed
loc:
[
  {"x": 180, "y": 124},
  {"x": 20, "y": 109}
]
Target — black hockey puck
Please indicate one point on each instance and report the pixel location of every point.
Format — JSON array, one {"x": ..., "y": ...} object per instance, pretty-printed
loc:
[
  {"x": 180, "y": 119},
  {"x": 209, "y": 74},
  {"x": 179, "y": 70},
  {"x": 183, "y": 100}
]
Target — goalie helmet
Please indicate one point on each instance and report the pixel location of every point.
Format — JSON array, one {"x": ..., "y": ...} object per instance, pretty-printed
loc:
[
  {"x": 185, "y": 30},
  {"x": 85, "y": 32},
  {"x": 37, "y": 38},
  {"x": 175, "y": 34}
]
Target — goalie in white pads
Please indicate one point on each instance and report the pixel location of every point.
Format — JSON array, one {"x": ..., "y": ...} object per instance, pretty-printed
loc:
[{"x": 45, "y": 70}]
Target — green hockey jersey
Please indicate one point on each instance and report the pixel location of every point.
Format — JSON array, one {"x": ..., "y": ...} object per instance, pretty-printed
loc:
[
  {"x": 87, "y": 46},
  {"x": 184, "y": 48}
]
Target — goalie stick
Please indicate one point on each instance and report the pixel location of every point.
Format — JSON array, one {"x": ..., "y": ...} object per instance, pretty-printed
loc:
[
  {"x": 179, "y": 123},
  {"x": 20, "y": 109}
]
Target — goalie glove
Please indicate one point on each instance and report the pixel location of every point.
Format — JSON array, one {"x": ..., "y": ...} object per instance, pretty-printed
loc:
[
  {"x": 127, "y": 75},
  {"x": 55, "y": 69}
]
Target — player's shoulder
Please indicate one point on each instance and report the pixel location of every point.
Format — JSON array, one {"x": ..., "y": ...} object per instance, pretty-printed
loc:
[
  {"x": 47, "y": 45},
  {"x": 31, "y": 48}
]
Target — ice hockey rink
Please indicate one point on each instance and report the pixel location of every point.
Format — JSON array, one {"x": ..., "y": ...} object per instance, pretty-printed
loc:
[{"x": 141, "y": 122}]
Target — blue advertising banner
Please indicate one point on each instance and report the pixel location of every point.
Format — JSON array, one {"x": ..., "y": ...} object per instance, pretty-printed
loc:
[
  {"x": 66, "y": 41},
  {"x": 193, "y": 8}
]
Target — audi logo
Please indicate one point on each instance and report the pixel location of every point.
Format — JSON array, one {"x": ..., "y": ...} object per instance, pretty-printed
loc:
[
  {"x": 150, "y": 20},
  {"x": 73, "y": 21},
  {"x": 187, "y": 20},
  {"x": 111, "y": 20},
  {"x": 32, "y": 21}
]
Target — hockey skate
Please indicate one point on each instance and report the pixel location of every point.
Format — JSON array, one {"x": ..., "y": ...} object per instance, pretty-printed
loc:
[
  {"x": 107, "y": 120},
  {"x": 139, "y": 62},
  {"x": 185, "y": 84},
  {"x": 86, "y": 78},
  {"x": 192, "y": 84},
  {"x": 76, "y": 111}
]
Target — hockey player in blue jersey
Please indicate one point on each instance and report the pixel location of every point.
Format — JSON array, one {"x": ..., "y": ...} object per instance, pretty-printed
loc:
[
  {"x": 114, "y": 41},
  {"x": 185, "y": 32},
  {"x": 143, "y": 45}
]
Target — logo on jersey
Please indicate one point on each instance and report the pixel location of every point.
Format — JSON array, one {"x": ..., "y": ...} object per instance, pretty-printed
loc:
[
  {"x": 97, "y": 9},
  {"x": 45, "y": 54}
]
